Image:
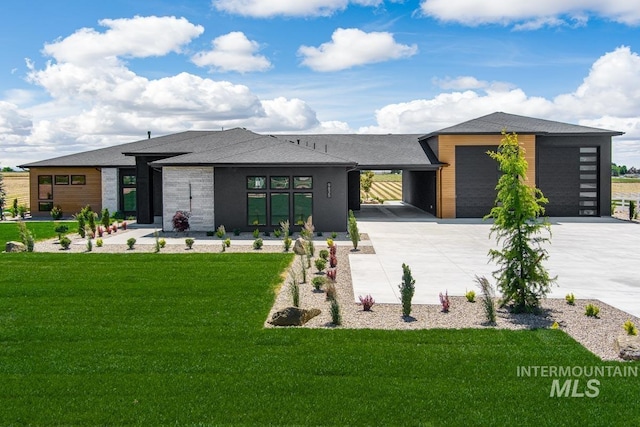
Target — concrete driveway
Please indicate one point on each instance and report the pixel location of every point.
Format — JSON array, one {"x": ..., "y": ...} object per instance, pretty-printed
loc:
[{"x": 592, "y": 257}]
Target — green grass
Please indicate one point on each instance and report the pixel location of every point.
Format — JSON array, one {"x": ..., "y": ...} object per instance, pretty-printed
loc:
[
  {"x": 387, "y": 177},
  {"x": 147, "y": 339},
  {"x": 41, "y": 230},
  {"x": 629, "y": 180}
]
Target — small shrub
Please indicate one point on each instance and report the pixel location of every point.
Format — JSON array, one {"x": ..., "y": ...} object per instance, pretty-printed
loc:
[
  {"x": 162, "y": 243},
  {"x": 257, "y": 244},
  {"x": 318, "y": 282},
  {"x": 65, "y": 242},
  {"x": 591, "y": 310},
  {"x": 266, "y": 233},
  {"x": 630, "y": 327},
  {"x": 22, "y": 211},
  {"x": 367, "y": 302},
  {"x": 444, "y": 302},
  {"x": 555, "y": 325},
  {"x": 180, "y": 221},
  {"x": 330, "y": 242},
  {"x": 295, "y": 293},
  {"x": 189, "y": 242},
  {"x": 488, "y": 302},
  {"x": 334, "y": 235},
  {"x": 330, "y": 291},
  {"x": 407, "y": 289},
  {"x": 632, "y": 210},
  {"x": 105, "y": 219},
  {"x": 99, "y": 242},
  {"x": 227, "y": 242},
  {"x": 256, "y": 233},
  {"x": 320, "y": 264},
  {"x": 61, "y": 230},
  {"x": 156, "y": 247},
  {"x": 130, "y": 242},
  {"x": 89, "y": 244},
  {"x": 331, "y": 274},
  {"x": 336, "y": 317},
  {"x": 570, "y": 298},
  {"x": 56, "y": 213},
  {"x": 124, "y": 225},
  {"x": 277, "y": 233},
  {"x": 26, "y": 236},
  {"x": 210, "y": 233},
  {"x": 354, "y": 233},
  {"x": 333, "y": 261},
  {"x": 287, "y": 243},
  {"x": 236, "y": 231},
  {"x": 471, "y": 296},
  {"x": 324, "y": 254},
  {"x": 319, "y": 233},
  {"x": 221, "y": 232}
]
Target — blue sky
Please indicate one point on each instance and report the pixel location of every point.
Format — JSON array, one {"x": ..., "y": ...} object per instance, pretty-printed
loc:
[{"x": 77, "y": 75}]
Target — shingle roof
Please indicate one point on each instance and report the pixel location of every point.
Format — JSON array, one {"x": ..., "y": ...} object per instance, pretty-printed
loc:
[{"x": 496, "y": 122}]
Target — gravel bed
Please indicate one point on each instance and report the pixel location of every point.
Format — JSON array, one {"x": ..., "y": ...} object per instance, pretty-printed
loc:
[{"x": 596, "y": 334}]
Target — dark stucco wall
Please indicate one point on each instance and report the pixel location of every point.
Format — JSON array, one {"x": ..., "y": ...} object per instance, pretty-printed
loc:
[
  {"x": 419, "y": 189},
  {"x": 604, "y": 144},
  {"x": 230, "y": 195}
]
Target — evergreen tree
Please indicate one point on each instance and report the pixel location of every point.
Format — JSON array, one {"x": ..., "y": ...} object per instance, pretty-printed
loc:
[
  {"x": 3, "y": 196},
  {"x": 518, "y": 227}
]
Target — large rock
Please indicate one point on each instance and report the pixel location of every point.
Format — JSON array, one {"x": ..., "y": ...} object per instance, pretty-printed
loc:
[
  {"x": 299, "y": 246},
  {"x": 628, "y": 347},
  {"x": 293, "y": 316},
  {"x": 15, "y": 247}
]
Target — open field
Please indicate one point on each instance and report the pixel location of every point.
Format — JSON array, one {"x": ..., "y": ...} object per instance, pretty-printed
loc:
[
  {"x": 88, "y": 339},
  {"x": 625, "y": 188},
  {"x": 16, "y": 185}
]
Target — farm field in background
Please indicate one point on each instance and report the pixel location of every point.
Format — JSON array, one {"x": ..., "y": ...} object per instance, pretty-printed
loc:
[{"x": 16, "y": 184}]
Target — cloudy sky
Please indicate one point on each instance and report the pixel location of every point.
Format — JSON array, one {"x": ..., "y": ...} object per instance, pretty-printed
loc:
[{"x": 78, "y": 75}]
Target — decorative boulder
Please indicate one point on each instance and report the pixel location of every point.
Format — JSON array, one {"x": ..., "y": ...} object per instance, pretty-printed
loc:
[
  {"x": 15, "y": 247},
  {"x": 293, "y": 316},
  {"x": 299, "y": 246},
  {"x": 628, "y": 347}
]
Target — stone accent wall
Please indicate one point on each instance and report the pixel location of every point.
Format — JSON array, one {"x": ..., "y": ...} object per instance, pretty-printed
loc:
[
  {"x": 177, "y": 184},
  {"x": 110, "y": 189}
]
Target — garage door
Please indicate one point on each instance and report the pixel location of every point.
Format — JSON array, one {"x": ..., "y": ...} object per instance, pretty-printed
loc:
[
  {"x": 476, "y": 178},
  {"x": 568, "y": 177}
]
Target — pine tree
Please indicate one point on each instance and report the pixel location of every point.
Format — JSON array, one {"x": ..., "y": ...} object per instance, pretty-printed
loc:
[{"x": 518, "y": 227}]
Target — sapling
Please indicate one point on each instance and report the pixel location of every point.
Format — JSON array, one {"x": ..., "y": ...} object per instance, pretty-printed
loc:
[
  {"x": 488, "y": 302},
  {"x": 407, "y": 289},
  {"x": 336, "y": 317},
  {"x": 295, "y": 293}
]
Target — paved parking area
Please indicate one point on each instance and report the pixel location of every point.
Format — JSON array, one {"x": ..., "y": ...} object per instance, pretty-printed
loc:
[{"x": 593, "y": 258}]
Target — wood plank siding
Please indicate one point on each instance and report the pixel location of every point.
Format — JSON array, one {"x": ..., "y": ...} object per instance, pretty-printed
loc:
[
  {"x": 70, "y": 197},
  {"x": 447, "y": 154}
]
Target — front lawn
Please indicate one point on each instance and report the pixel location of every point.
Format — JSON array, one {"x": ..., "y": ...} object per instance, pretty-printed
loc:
[
  {"x": 41, "y": 230},
  {"x": 158, "y": 339}
]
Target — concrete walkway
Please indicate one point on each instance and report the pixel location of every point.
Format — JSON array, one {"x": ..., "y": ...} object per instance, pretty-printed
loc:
[{"x": 592, "y": 257}]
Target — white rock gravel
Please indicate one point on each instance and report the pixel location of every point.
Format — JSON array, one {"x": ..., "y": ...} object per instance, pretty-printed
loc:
[{"x": 596, "y": 334}]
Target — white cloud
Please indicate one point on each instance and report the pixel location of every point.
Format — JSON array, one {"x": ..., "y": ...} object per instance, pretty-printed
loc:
[
  {"x": 460, "y": 83},
  {"x": 271, "y": 8},
  {"x": 351, "y": 47},
  {"x": 232, "y": 52},
  {"x": 15, "y": 125},
  {"x": 532, "y": 13},
  {"x": 609, "y": 98},
  {"x": 138, "y": 37}
]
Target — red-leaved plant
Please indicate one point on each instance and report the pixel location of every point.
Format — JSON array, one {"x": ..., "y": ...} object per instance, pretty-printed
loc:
[
  {"x": 331, "y": 273},
  {"x": 333, "y": 261},
  {"x": 444, "y": 301},
  {"x": 367, "y": 302},
  {"x": 181, "y": 221}
]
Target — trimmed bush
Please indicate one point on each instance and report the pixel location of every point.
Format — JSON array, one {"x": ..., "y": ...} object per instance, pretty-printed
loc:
[
  {"x": 471, "y": 296},
  {"x": 65, "y": 242},
  {"x": 407, "y": 289},
  {"x": 318, "y": 282},
  {"x": 257, "y": 244},
  {"x": 320, "y": 264},
  {"x": 130, "y": 242},
  {"x": 180, "y": 221},
  {"x": 189, "y": 242}
]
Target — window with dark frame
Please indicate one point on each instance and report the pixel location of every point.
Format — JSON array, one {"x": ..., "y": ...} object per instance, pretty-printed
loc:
[
  {"x": 62, "y": 179},
  {"x": 257, "y": 208},
  {"x": 280, "y": 201},
  {"x": 78, "y": 180},
  {"x": 256, "y": 183}
]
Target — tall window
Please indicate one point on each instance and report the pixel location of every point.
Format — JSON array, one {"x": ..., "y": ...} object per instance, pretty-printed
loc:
[
  {"x": 302, "y": 207},
  {"x": 257, "y": 208},
  {"x": 279, "y": 208},
  {"x": 128, "y": 189},
  {"x": 45, "y": 193}
]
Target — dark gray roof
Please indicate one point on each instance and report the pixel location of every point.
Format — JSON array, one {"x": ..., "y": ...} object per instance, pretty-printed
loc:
[
  {"x": 372, "y": 151},
  {"x": 496, "y": 122},
  {"x": 238, "y": 147}
]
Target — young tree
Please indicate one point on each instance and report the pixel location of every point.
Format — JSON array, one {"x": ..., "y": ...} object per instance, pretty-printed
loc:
[
  {"x": 518, "y": 226},
  {"x": 366, "y": 181},
  {"x": 3, "y": 196}
]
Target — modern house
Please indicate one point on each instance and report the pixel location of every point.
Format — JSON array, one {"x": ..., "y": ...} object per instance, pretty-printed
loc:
[{"x": 242, "y": 179}]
